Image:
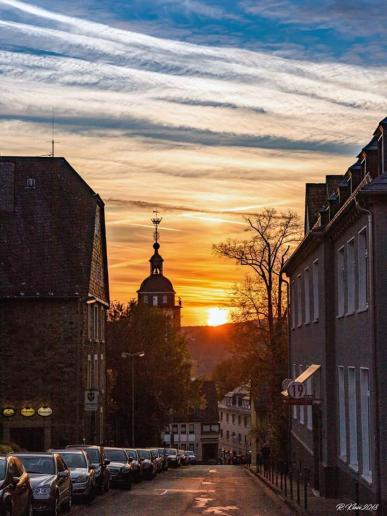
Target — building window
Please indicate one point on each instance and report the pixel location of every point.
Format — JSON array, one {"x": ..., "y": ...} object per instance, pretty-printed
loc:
[
  {"x": 215, "y": 428},
  {"x": 90, "y": 322},
  {"x": 293, "y": 304},
  {"x": 221, "y": 433},
  {"x": 31, "y": 183},
  {"x": 227, "y": 418},
  {"x": 191, "y": 428},
  {"x": 240, "y": 438},
  {"x": 95, "y": 373},
  {"x": 351, "y": 277},
  {"x": 342, "y": 419},
  {"x": 221, "y": 415},
  {"x": 206, "y": 428},
  {"x": 175, "y": 429},
  {"x": 340, "y": 282},
  {"x": 316, "y": 300},
  {"x": 145, "y": 299},
  {"x": 155, "y": 301},
  {"x": 302, "y": 408},
  {"x": 363, "y": 269},
  {"x": 183, "y": 428},
  {"x": 365, "y": 423},
  {"x": 228, "y": 435},
  {"x": 165, "y": 300},
  {"x": 239, "y": 420},
  {"x": 246, "y": 420},
  {"x": 299, "y": 300},
  {"x": 353, "y": 460},
  {"x": 102, "y": 325},
  {"x": 309, "y": 419},
  {"x": 88, "y": 372},
  {"x": 233, "y": 419},
  {"x": 294, "y": 407},
  {"x": 307, "y": 295},
  {"x": 96, "y": 322}
]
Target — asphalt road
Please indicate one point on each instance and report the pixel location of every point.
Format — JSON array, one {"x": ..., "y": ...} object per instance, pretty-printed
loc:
[{"x": 190, "y": 490}]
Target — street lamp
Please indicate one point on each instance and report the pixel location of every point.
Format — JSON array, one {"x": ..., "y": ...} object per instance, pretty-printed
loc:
[{"x": 132, "y": 356}]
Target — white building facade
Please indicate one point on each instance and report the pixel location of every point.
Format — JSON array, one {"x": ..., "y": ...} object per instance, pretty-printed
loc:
[{"x": 235, "y": 422}]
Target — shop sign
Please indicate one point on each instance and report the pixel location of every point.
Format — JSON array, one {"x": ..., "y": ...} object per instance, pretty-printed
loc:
[
  {"x": 27, "y": 411},
  {"x": 91, "y": 400},
  {"x": 8, "y": 412},
  {"x": 44, "y": 411}
]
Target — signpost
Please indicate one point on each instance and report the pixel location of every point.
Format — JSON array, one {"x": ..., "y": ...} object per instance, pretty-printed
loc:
[{"x": 91, "y": 400}]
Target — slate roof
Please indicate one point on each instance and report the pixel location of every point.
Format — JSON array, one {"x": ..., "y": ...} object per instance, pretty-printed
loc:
[
  {"x": 47, "y": 229},
  {"x": 156, "y": 283}
]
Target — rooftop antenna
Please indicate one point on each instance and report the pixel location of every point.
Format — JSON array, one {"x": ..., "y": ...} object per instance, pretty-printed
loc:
[{"x": 156, "y": 222}]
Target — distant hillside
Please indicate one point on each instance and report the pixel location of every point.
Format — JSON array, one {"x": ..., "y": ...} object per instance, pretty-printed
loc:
[{"x": 208, "y": 345}]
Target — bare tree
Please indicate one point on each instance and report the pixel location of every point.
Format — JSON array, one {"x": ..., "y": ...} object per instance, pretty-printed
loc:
[{"x": 263, "y": 294}]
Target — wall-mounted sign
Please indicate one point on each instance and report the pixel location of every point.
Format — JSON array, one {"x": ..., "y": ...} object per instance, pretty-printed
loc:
[
  {"x": 44, "y": 411},
  {"x": 296, "y": 390},
  {"x": 8, "y": 412},
  {"x": 27, "y": 411},
  {"x": 91, "y": 400}
]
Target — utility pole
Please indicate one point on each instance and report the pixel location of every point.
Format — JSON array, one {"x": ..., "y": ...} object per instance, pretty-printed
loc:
[{"x": 132, "y": 356}]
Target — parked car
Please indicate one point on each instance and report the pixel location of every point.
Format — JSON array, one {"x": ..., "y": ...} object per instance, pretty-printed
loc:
[
  {"x": 173, "y": 458},
  {"x": 191, "y": 457},
  {"x": 15, "y": 488},
  {"x": 50, "y": 481},
  {"x": 119, "y": 467},
  {"x": 137, "y": 465},
  {"x": 97, "y": 456},
  {"x": 156, "y": 459},
  {"x": 82, "y": 473},
  {"x": 183, "y": 458},
  {"x": 149, "y": 468},
  {"x": 163, "y": 456}
]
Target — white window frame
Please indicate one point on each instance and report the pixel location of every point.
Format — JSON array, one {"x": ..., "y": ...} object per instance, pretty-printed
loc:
[
  {"x": 351, "y": 276},
  {"x": 341, "y": 281},
  {"x": 96, "y": 372},
  {"x": 342, "y": 414},
  {"x": 95, "y": 324},
  {"x": 155, "y": 301},
  {"x": 90, "y": 321},
  {"x": 301, "y": 407},
  {"x": 365, "y": 416},
  {"x": 165, "y": 299},
  {"x": 307, "y": 317},
  {"x": 352, "y": 413},
  {"x": 293, "y": 304},
  {"x": 316, "y": 299},
  {"x": 363, "y": 267},
  {"x": 88, "y": 372},
  {"x": 102, "y": 324},
  {"x": 299, "y": 300},
  {"x": 294, "y": 407}
]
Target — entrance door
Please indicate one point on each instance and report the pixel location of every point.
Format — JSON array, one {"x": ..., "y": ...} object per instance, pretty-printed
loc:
[
  {"x": 209, "y": 452},
  {"x": 30, "y": 439},
  {"x": 317, "y": 446}
]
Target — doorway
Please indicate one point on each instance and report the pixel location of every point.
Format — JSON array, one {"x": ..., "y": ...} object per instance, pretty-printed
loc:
[{"x": 30, "y": 439}]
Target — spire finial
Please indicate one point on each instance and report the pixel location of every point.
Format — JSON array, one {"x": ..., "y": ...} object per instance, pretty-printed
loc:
[{"x": 156, "y": 222}]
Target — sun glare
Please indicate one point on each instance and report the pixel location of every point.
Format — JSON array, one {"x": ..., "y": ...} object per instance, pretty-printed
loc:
[{"x": 217, "y": 316}]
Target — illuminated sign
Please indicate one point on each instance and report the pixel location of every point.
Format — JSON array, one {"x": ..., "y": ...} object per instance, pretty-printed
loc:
[
  {"x": 8, "y": 412},
  {"x": 27, "y": 411},
  {"x": 44, "y": 411}
]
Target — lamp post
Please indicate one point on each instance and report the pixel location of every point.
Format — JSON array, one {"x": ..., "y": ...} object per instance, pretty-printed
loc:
[{"x": 132, "y": 356}]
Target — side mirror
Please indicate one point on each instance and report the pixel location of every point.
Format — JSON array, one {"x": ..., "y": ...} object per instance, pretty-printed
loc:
[{"x": 106, "y": 462}]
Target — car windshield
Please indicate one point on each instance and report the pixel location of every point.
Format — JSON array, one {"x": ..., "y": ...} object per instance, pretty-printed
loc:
[
  {"x": 93, "y": 454},
  {"x": 132, "y": 454},
  {"x": 171, "y": 452},
  {"x": 116, "y": 455},
  {"x": 2, "y": 469},
  {"x": 74, "y": 460},
  {"x": 41, "y": 465},
  {"x": 144, "y": 454}
]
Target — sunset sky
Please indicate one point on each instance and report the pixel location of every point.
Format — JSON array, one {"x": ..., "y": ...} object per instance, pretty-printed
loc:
[{"x": 206, "y": 109}]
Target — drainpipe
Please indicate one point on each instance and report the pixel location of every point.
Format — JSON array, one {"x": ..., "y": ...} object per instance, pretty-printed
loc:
[{"x": 372, "y": 304}]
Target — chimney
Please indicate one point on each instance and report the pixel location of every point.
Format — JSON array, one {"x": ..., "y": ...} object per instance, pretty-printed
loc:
[
  {"x": 324, "y": 215},
  {"x": 355, "y": 175},
  {"x": 343, "y": 191}
]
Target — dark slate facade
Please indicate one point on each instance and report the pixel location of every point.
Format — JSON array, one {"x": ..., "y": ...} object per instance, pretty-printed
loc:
[
  {"x": 54, "y": 296},
  {"x": 338, "y": 321}
]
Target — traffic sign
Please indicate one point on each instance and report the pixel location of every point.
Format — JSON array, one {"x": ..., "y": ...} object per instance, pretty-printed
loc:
[{"x": 296, "y": 390}]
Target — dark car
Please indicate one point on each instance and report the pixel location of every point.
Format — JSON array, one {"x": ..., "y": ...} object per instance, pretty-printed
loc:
[
  {"x": 163, "y": 457},
  {"x": 137, "y": 465},
  {"x": 15, "y": 488},
  {"x": 50, "y": 481},
  {"x": 173, "y": 457},
  {"x": 191, "y": 457},
  {"x": 119, "y": 467},
  {"x": 82, "y": 474},
  {"x": 97, "y": 456},
  {"x": 156, "y": 459},
  {"x": 149, "y": 468}
]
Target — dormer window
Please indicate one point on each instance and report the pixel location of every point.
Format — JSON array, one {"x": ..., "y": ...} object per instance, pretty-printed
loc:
[
  {"x": 146, "y": 299},
  {"x": 165, "y": 300},
  {"x": 30, "y": 184}
]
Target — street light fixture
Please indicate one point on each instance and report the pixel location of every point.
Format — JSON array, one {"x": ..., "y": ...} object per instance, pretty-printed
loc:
[{"x": 132, "y": 356}]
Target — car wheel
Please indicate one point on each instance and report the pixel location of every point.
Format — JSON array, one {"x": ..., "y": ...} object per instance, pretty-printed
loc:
[{"x": 128, "y": 485}]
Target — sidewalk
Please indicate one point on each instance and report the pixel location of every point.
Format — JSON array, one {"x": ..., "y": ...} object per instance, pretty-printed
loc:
[{"x": 316, "y": 506}]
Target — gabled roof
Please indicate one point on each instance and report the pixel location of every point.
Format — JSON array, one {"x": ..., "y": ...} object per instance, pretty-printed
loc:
[{"x": 47, "y": 225}]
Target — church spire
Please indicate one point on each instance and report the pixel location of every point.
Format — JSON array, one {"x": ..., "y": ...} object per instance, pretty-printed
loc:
[{"x": 156, "y": 261}]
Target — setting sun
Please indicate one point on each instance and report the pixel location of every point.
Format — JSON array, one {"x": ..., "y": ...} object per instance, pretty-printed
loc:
[{"x": 217, "y": 316}]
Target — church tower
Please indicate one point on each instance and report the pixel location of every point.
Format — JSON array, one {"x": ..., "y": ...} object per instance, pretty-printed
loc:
[{"x": 156, "y": 290}]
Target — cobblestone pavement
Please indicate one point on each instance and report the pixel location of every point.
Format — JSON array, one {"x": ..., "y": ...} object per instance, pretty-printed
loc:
[{"x": 191, "y": 490}]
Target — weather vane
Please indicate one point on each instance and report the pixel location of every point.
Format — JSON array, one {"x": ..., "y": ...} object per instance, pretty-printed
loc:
[{"x": 156, "y": 222}]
